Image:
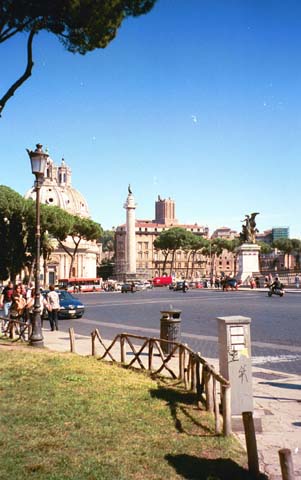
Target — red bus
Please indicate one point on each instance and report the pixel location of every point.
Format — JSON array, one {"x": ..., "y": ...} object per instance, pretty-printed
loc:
[
  {"x": 162, "y": 281},
  {"x": 75, "y": 285}
]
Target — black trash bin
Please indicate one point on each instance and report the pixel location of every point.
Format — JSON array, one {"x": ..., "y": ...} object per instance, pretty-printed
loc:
[{"x": 170, "y": 329}]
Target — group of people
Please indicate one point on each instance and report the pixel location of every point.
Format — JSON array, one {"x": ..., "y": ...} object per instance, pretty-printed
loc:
[{"x": 18, "y": 301}]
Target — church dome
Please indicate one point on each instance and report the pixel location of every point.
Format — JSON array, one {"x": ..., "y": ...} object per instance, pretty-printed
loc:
[{"x": 57, "y": 190}]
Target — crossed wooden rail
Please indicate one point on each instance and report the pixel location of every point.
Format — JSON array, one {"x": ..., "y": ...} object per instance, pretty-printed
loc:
[
  {"x": 15, "y": 329},
  {"x": 180, "y": 362}
]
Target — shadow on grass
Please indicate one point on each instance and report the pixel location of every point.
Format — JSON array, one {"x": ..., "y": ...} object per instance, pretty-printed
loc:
[
  {"x": 194, "y": 468},
  {"x": 181, "y": 401}
]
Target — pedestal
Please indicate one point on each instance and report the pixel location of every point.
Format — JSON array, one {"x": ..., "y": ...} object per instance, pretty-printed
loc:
[{"x": 248, "y": 262}]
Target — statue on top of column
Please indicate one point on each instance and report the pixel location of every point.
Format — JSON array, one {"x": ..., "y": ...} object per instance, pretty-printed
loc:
[
  {"x": 249, "y": 229},
  {"x": 129, "y": 189}
]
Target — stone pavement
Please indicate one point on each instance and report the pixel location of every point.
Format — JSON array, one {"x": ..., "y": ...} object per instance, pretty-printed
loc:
[{"x": 277, "y": 401}]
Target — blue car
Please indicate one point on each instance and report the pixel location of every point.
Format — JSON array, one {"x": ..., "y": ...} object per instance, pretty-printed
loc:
[{"x": 70, "y": 307}]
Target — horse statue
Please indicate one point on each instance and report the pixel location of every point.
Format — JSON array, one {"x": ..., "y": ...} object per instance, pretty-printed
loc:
[{"x": 249, "y": 229}]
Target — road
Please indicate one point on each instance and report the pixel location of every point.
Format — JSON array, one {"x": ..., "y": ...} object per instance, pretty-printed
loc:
[{"x": 275, "y": 322}]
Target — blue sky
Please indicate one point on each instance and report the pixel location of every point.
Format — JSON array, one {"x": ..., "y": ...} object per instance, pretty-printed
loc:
[{"x": 200, "y": 101}]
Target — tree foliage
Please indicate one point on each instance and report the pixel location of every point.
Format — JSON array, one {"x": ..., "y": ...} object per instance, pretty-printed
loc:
[
  {"x": 177, "y": 238},
  {"x": 79, "y": 229},
  {"x": 12, "y": 233},
  {"x": 17, "y": 232},
  {"x": 108, "y": 241},
  {"x": 80, "y": 26}
]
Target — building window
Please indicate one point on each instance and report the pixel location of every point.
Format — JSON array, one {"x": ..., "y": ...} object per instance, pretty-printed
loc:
[
  {"x": 146, "y": 245},
  {"x": 145, "y": 229},
  {"x": 179, "y": 265}
]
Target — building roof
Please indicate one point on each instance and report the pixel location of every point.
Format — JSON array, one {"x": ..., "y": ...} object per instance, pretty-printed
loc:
[{"x": 57, "y": 190}]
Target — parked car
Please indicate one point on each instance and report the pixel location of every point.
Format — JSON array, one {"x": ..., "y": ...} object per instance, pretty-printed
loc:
[
  {"x": 178, "y": 286},
  {"x": 127, "y": 287},
  {"x": 70, "y": 307}
]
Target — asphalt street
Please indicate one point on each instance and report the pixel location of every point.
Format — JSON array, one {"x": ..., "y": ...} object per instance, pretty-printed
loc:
[{"x": 275, "y": 321}]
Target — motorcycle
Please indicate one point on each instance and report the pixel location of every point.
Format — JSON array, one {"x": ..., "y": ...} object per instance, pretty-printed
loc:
[{"x": 276, "y": 291}]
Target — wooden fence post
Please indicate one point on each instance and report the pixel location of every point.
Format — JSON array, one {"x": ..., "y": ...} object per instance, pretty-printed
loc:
[
  {"x": 198, "y": 383},
  {"x": 209, "y": 390},
  {"x": 226, "y": 399},
  {"x": 93, "y": 336},
  {"x": 216, "y": 409},
  {"x": 72, "y": 340},
  {"x": 251, "y": 444},
  {"x": 150, "y": 354},
  {"x": 122, "y": 349},
  {"x": 181, "y": 366},
  {"x": 286, "y": 464},
  {"x": 193, "y": 364}
]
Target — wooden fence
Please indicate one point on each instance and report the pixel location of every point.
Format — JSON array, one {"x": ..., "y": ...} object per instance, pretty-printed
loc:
[
  {"x": 180, "y": 363},
  {"x": 15, "y": 329}
]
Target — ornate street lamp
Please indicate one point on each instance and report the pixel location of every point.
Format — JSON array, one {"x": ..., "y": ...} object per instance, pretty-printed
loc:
[{"x": 38, "y": 160}]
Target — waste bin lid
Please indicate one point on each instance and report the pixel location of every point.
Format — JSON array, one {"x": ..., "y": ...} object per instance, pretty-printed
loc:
[{"x": 170, "y": 311}]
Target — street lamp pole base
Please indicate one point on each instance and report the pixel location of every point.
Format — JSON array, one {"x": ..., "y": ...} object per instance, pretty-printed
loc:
[{"x": 36, "y": 342}]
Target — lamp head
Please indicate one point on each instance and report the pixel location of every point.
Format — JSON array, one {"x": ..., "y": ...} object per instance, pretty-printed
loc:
[{"x": 38, "y": 160}]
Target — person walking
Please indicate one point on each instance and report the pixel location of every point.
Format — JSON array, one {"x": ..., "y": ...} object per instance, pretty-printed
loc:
[
  {"x": 6, "y": 298},
  {"x": 297, "y": 281},
  {"x": 53, "y": 301},
  {"x": 184, "y": 286},
  {"x": 17, "y": 307}
]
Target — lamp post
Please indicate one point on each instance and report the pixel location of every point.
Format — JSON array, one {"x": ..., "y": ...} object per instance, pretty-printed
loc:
[{"x": 38, "y": 164}]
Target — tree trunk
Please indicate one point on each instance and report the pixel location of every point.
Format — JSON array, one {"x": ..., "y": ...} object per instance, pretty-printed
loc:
[
  {"x": 27, "y": 73},
  {"x": 44, "y": 272},
  {"x": 172, "y": 261},
  {"x": 188, "y": 260}
]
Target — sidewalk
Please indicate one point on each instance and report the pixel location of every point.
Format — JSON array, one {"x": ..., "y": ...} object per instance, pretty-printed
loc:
[{"x": 277, "y": 400}]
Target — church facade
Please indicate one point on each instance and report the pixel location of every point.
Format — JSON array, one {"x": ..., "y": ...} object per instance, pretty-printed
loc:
[{"x": 57, "y": 190}]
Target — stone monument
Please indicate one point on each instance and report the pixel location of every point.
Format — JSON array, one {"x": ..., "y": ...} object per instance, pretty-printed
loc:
[
  {"x": 130, "y": 207},
  {"x": 248, "y": 251}
]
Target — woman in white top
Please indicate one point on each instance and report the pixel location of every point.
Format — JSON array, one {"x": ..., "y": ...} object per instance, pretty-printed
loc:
[{"x": 53, "y": 301}]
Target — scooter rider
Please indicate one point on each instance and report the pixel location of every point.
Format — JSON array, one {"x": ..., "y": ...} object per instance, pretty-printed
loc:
[{"x": 276, "y": 285}]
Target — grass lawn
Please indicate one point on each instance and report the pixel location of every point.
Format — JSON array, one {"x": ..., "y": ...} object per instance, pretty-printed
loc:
[{"x": 69, "y": 417}]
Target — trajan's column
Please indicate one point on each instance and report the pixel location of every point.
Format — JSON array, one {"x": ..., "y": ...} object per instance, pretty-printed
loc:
[{"x": 130, "y": 207}]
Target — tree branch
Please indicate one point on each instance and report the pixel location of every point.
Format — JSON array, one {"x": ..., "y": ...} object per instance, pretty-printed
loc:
[
  {"x": 64, "y": 248},
  {"x": 11, "y": 31},
  {"x": 27, "y": 73}
]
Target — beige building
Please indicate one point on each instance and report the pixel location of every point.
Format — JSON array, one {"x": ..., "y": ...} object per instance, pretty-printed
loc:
[
  {"x": 149, "y": 261},
  {"x": 57, "y": 190}
]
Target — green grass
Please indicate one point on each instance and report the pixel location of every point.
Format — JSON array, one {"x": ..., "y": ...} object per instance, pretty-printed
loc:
[{"x": 69, "y": 417}]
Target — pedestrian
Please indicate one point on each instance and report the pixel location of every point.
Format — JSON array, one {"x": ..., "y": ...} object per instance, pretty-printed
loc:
[
  {"x": 184, "y": 286},
  {"x": 53, "y": 306},
  {"x": 297, "y": 281},
  {"x": 6, "y": 298},
  {"x": 29, "y": 307},
  {"x": 29, "y": 291},
  {"x": 132, "y": 287},
  {"x": 17, "y": 308}
]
